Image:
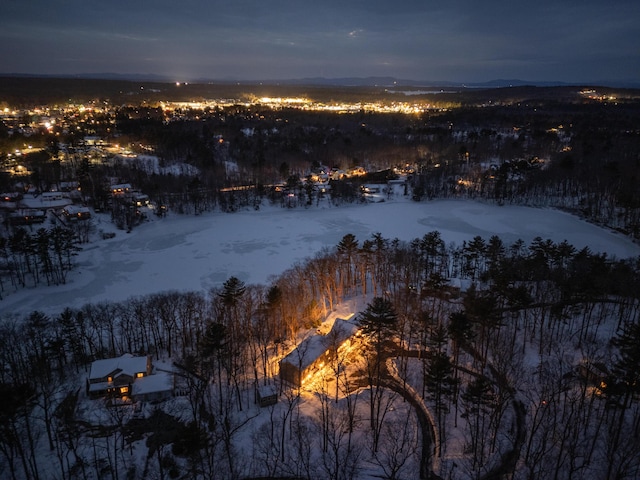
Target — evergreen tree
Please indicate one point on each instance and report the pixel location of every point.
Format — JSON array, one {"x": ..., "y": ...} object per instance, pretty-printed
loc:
[
  {"x": 622, "y": 385},
  {"x": 473, "y": 255},
  {"x": 348, "y": 249},
  {"x": 214, "y": 347},
  {"x": 378, "y": 321},
  {"x": 432, "y": 248},
  {"x": 232, "y": 290},
  {"x": 477, "y": 402},
  {"x": 63, "y": 246},
  {"x": 440, "y": 382},
  {"x": 625, "y": 377},
  {"x": 460, "y": 329}
]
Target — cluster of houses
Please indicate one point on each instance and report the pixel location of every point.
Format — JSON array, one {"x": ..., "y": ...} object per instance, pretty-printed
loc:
[
  {"x": 126, "y": 194},
  {"x": 31, "y": 207},
  {"x": 323, "y": 174},
  {"x": 134, "y": 378}
]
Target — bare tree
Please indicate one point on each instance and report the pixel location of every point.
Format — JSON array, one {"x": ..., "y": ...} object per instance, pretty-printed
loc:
[{"x": 398, "y": 452}]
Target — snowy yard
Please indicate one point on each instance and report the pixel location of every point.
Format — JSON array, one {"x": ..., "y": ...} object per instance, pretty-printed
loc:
[{"x": 200, "y": 252}]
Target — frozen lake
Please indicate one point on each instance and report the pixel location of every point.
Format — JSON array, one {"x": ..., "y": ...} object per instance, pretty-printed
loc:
[{"x": 200, "y": 252}]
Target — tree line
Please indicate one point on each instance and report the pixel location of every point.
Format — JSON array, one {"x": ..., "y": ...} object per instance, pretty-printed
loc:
[{"x": 30, "y": 259}]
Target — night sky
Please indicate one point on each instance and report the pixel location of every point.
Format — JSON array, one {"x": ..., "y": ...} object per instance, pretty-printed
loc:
[{"x": 455, "y": 40}]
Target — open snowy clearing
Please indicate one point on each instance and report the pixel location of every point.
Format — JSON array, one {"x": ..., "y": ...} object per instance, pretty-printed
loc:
[{"x": 200, "y": 252}]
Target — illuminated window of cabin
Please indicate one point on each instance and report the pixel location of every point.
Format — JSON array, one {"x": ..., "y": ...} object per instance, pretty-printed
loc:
[
  {"x": 109, "y": 379},
  {"x": 124, "y": 389},
  {"x": 139, "y": 374}
]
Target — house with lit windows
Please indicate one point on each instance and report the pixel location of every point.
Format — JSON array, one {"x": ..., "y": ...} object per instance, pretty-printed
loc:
[
  {"x": 316, "y": 351},
  {"x": 115, "y": 377},
  {"x": 72, "y": 213}
]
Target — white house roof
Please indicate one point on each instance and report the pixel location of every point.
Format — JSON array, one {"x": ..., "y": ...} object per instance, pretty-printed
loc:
[
  {"x": 267, "y": 390},
  {"x": 127, "y": 364},
  {"x": 45, "y": 201},
  {"x": 311, "y": 348},
  {"x": 159, "y": 382},
  {"x": 343, "y": 329},
  {"x": 307, "y": 352},
  {"x": 74, "y": 209}
]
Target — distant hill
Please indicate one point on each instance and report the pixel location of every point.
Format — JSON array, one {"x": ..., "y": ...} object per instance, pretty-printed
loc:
[
  {"x": 497, "y": 83},
  {"x": 374, "y": 81},
  {"x": 396, "y": 82},
  {"x": 27, "y": 90}
]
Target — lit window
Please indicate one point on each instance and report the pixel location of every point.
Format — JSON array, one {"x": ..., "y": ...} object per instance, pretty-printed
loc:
[
  {"x": 124, "y": 389},
  {"x": 139, "y": 374}
]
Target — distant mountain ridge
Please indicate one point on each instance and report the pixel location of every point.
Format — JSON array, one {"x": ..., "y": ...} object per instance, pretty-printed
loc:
[
  {"x": 373, "y": 81},
  {"x": 398, "y": 82}
]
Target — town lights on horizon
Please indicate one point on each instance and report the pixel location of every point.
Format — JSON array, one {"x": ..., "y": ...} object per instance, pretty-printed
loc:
[{"x": 286, "y": 100}]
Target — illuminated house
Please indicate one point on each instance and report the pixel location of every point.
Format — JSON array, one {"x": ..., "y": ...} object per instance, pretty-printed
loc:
[
  {"x": 314, "y": 352},
  {"x": 120, "y": 189},
  {"x": 10, "y": 200},
  {"x": 73, "y": 213},
  {"x": 27, "y": 216},
  {"x": 116, "y": 376}
]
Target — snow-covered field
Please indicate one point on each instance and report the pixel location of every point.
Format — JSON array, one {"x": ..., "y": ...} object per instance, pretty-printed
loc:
[{"x": 200, "y": 252}]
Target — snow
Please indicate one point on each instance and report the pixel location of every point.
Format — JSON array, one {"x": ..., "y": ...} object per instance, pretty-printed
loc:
[
  {"x": 197, "y": 253},
  {"x": 127, "y": 363},
  {"x": 158, "y": 382},
  {"x": 150, "y": 164},
  {"x": 44, "y": 202}
]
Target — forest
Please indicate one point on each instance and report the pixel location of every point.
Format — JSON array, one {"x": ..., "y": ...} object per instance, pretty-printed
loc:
[
  {"x": 529, "y": 350},
  {"x": 43, "y": 257}
]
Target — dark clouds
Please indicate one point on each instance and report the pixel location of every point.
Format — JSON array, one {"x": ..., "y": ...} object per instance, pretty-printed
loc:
[{"x": 461, "y": 40}]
